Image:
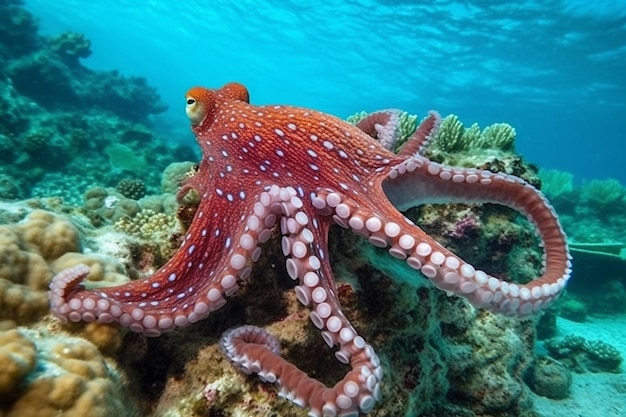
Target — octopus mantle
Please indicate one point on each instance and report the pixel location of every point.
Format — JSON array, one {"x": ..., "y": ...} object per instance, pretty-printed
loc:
[{"x": 264, "y": 166}]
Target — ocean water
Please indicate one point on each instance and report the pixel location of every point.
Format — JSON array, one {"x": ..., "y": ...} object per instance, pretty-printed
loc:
[{"x": 555, "y": 70}]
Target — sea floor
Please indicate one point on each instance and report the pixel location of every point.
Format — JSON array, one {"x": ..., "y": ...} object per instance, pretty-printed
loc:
[{"x": 592, "y": 394}]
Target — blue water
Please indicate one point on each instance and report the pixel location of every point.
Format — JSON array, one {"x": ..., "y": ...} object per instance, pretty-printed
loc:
[{"x": 555, "y": 70}]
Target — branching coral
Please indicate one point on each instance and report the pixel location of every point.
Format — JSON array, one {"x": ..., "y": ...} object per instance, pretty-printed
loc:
[
  {"x": 145, "y": 228},
  {"x": 454, "y": 137},
  {"x": 602, "y": 194},
  {"x": 148, "y": 225},
  {"x": 555, "y": 183},
  {"x": 491, "y": 149}
]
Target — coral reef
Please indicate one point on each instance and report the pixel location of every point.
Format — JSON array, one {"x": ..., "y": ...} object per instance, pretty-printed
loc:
[
  {"x": 491, "y": 148},
  {"x": 605, "y": 196},
  {"x": 71, "y": 47},
  {"x": 18, "y": 29},
  {"x": 174, "y": 174},
  {"x": 441, "y": 356},
  {"x": 155, "y": 238},
  {"x": 57, "y": 116},
  {"x": 592, "y": 214}
]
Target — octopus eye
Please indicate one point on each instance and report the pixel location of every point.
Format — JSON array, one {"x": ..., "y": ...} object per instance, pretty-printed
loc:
[{"x": 191, "y": 101}]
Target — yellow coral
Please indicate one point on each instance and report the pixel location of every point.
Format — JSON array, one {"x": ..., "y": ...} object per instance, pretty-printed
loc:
[
  {"x": 72, "y": 380},
  {"x": 103, "y": 205},
  {"x": 49, "y": 235},
  {"x": 17, "y": 359},
  {"x": 25, "y": 250},
  {"x": 148, "y": 225},
  {"x": 103, "y": 269}
]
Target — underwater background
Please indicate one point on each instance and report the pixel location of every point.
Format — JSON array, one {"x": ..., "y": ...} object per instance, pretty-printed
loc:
[
  {"x": 552, "y": 69},
  {"x": 95, "y": 143}
]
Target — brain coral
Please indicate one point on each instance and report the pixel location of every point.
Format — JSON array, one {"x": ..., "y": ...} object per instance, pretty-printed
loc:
[
  {"x": 31, "y": 251},
  {"x": 26, "y": 248},
  {"x": 54, "y": 376}
]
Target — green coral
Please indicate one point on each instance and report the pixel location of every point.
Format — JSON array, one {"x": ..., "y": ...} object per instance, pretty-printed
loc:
[
  {"x": 555, "y": 183},
  {"x": 408, "y": 124},
  {"x": 498, "y": 136},
  {"x": 454, "y": 137},
  {"x": 602, "y": 193}
]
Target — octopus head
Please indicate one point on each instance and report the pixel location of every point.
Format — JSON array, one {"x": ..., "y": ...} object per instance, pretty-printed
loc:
[{"x": 200, "y": 101}]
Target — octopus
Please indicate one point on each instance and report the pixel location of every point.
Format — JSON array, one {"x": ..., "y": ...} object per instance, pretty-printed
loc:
[{"x": 301, "y": 171}]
